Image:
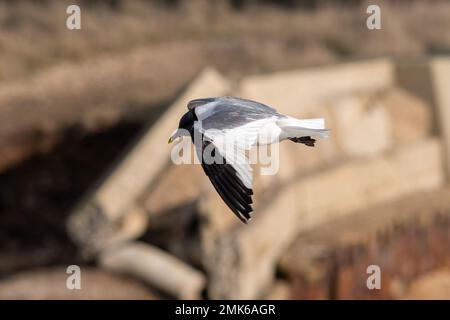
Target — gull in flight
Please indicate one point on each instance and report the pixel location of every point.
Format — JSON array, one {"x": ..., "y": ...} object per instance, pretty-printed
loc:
[{"x": 224, "y": 128}]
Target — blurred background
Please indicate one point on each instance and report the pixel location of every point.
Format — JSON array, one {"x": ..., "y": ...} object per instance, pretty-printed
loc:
[{"x": 85, "y": 171}]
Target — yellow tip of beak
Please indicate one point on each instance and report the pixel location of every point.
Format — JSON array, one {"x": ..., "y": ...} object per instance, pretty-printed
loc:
[{"x": 170, "y": 140}]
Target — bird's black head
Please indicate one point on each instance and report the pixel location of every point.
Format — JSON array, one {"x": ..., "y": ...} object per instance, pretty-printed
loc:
[
  {"x": 185, "y": 127},
  {"x": 187, "y": 121}
]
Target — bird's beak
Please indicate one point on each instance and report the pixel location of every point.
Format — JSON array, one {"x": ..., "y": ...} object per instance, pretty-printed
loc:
[{"x": 177, "y": 133}]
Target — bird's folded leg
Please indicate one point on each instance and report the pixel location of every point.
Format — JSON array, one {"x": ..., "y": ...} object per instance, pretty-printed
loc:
[{"x": 308, "y": 141}]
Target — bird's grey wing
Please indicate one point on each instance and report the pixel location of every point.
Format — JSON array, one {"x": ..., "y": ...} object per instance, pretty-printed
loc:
[
  {"x": 229, "y": 112},
  {"x": 199, "y": 102},
  {"x": 227, "y": 182}
]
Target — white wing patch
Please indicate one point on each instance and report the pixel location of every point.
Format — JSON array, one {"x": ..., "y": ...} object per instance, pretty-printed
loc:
[
  {"x": 235, "y": 155},
  {"x": 260, "y": 132},
  {"x": 204, "y": 111},
  {"x": 233, "y": 143}
]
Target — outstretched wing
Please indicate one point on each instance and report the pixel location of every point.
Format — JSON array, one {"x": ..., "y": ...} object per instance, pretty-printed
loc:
[
  {"x": 231, "y": 178},
  {"x": 235, "y": 120},
  {"x": 229, "y": 112},
  {"x": 229, "y": 126}
]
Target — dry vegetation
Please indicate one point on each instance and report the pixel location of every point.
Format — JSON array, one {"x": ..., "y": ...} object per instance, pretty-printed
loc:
[
  {"x": 253, "y": 38},
  {"x": 131, "y": 55}
]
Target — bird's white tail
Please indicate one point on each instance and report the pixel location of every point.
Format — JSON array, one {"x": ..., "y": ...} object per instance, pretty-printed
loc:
[{"x": 293, "y": 128}]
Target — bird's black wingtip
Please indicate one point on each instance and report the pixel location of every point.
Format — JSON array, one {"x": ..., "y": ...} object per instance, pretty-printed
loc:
[{"x": 246, "y": 217}]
